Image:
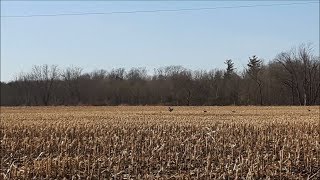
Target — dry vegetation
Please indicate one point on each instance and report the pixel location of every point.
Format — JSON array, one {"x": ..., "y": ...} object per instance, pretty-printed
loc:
[{"x": 152, "y": 143}]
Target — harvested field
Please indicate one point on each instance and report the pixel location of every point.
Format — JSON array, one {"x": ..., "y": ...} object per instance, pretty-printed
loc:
[{"x": 153, "y": 143}]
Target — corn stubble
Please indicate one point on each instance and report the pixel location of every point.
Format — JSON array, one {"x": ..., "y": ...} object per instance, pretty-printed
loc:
[{"x": 153, "y": 143}]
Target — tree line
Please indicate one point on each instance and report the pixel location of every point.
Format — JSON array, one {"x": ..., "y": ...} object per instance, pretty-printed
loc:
[{"x": 291, "y": 78}]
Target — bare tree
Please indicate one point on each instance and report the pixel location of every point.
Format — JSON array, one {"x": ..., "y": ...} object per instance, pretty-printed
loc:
[
  {"x": 44, "y": 76},
  {"x": 71, "y": 77},
  {"x": 302, "y": 69},
  {"x": 117, "y": 74}
]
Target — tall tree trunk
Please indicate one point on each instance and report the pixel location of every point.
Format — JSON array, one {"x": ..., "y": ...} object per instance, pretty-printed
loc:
[{"x": 260, "y": 92}]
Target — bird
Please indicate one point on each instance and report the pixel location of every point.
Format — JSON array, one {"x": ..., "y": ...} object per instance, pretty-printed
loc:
[
  {"x": 233, "y": 111},
  {"x": 205, "y": 111},
  {"x": 170, "y": 109}
]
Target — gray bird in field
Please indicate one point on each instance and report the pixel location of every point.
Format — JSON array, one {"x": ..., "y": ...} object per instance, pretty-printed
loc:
[{"x": 170, "y": 109}]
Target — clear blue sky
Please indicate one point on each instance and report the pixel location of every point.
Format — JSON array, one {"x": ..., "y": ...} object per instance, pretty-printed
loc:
[{"x": 193, "y": 39}]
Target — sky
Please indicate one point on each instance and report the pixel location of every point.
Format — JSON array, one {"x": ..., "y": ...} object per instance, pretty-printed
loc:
[{"x": 194, "y": 39}]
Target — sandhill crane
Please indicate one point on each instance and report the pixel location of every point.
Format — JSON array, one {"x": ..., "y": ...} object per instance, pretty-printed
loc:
[{"x": 170, "y": 109}]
